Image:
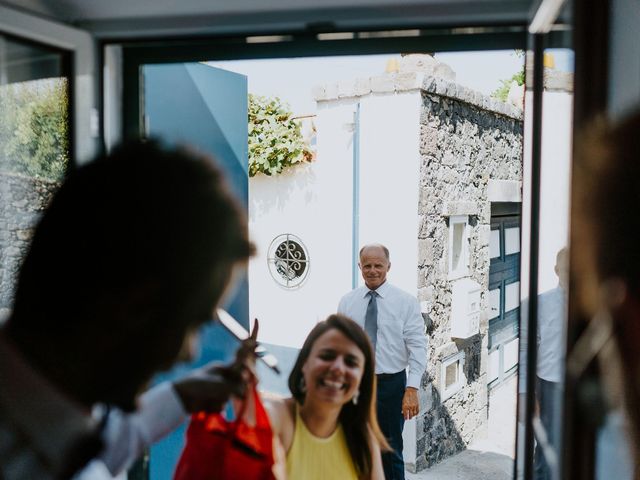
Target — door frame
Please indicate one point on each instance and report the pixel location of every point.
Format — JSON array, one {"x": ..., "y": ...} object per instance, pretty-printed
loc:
[{"x": 84, "y": 81}]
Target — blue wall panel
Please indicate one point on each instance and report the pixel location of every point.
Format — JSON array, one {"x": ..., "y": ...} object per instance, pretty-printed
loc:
[{"x": 206, "y": 108}]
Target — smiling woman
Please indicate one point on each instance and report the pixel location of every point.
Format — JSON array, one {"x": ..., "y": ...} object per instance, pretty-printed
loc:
[{"x": 329, "y": 428}]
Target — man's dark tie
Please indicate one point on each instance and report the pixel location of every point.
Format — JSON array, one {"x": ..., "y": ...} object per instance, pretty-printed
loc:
[{"x": 371, "y": 318}]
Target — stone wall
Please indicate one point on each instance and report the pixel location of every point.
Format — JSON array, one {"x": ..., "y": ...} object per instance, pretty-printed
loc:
[
  {"x": 22, "y": 199},
  {"x": 467, "y": 140}
]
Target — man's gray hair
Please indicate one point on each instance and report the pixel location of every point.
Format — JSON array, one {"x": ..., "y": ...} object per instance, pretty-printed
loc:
[{"x": 375, "y": 245}]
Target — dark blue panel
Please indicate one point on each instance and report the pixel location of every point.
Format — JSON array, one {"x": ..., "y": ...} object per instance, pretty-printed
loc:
[{"x": 206, "y": 108}]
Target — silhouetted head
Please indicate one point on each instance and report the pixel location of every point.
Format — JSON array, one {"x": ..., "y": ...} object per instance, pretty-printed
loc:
[{"x": 133, "y": 253}]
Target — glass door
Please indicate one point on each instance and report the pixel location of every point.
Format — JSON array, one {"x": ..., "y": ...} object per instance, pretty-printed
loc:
[{"x": 35, "y": 146}]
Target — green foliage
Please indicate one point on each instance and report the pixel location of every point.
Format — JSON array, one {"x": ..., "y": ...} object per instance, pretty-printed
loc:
[
  {"x": 275, "y": 140},
  {"x": 502, "y": 91},
  {"x": 34, "y": 128}
]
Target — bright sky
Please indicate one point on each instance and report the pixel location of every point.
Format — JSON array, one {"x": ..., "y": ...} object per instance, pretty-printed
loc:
[{"x": 292, "y": 79}]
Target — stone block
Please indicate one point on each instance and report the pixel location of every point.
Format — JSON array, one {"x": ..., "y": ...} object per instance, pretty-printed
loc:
[
  {"x": 441, "y": 86},
  {"x": 410, "y": 467},
  {"x": 428, "y": 140},
  {"x": 12, "y": 251},
  {"x": 331, "y": 91},
  {"x": 362, "y": 86},
  {"x": 382, "y": 84},
  {"x": 346, "y": 88},
  {"x": 425, "y": 251},
  {"x": 443, "y": 70},
  {"x": 418, "y": 62},
  {"x": 460, "y": 208},
  {"x": 319, "y": 93},
  {"x": 408, "y": 81},
  {"x": 484, "y": 235},
  {"x": 422, "y": 281},
  {"x": 425, "y": 295},
  {"x": 449, "y": 159},
  {"x": 504, "y": 190},
  {"x": 429, "y": 84},
  {"x": 24, "y": 234},
  {"x": 445, "y": 350},
  {"x": 426, "y": 404}
]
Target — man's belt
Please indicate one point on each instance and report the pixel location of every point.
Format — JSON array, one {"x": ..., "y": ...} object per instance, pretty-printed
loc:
[{"x": 382, "y": 376}]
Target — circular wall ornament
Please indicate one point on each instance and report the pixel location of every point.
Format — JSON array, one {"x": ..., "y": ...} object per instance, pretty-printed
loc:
[{"x": 288, "y": 260}]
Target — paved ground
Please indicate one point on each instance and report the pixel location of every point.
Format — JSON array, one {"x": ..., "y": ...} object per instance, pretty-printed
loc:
[{"x": 490, "y": 458}]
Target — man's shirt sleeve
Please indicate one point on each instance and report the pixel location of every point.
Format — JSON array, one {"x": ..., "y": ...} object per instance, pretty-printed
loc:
[
  {"x": 416, "y": 342},
  {"x": 342, "y": 307},
  {"x": 126, "y": 436}
]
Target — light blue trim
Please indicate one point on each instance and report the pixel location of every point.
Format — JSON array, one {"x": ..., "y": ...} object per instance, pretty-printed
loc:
[{"x": 356, "y": 197}]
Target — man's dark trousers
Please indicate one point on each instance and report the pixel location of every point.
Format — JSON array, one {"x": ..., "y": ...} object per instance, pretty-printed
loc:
[
  {"x": 389, "y": 405},
  {"x": 550, "y": 400}
]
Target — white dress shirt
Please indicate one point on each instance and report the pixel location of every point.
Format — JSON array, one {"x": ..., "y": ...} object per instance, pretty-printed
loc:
[
  {"x": 401, "y": 340},
  {"x": 552, "y": 317},
  {"x": 127, "y": 435},
  {"x": 40, "y": 426}
]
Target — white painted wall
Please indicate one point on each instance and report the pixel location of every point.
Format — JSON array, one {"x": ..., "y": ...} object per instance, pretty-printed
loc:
[
  {"x": 389, "y": 180},
  {"x": 555, "y": 187},
  {"x": 313, "y": 202}
]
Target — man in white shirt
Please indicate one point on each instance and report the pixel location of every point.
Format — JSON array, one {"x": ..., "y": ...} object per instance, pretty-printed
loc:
[
  {"x": 133, "y": 254},
  {"x": 552, "y": 314},
  {"x": 392, "y": 319}
]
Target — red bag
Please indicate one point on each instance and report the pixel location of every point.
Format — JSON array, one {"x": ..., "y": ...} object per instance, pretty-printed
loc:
[{"x": 218, "y": 449}]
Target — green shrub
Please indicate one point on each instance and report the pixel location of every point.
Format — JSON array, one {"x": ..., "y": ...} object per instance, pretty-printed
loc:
[
  {"x": 275, "y": 139},
  {"x": 502, "y": 92},
  {"x": 34, "y": 128}
]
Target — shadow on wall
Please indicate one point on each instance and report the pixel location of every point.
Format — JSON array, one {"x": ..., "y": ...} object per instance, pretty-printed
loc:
[
  {"x": 438, "y": 435},
  {"x": 267, "y": 194}
]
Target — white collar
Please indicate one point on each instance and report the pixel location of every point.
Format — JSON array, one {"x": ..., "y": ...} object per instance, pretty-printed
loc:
[{"x": 382, "y": 290}]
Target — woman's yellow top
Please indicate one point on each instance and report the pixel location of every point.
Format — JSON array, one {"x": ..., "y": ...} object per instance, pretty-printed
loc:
[{"x": 313, "y": 458}]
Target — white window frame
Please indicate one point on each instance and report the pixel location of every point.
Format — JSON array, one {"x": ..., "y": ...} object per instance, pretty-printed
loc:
[
  {"x": 448, "y": 392},
  {"x": 24, "y": 26},
  {"x": 463, "y": 267}
]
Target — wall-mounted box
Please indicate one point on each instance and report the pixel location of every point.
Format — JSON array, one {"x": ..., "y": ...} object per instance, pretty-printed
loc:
[
  {"x": 458, "y": 246},
  {"x": 465, "y": 308}
]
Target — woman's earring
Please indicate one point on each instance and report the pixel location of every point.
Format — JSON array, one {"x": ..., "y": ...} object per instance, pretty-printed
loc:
[
  {"x": 354, "y": 399},
  {"x": 303, "y": 385}
]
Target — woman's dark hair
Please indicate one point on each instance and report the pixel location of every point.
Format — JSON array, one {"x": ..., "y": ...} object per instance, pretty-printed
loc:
[
  {"x": 145, "y": 212},
  {"x": 134, "y": 250},
  {"x": 359, "y": 422}
]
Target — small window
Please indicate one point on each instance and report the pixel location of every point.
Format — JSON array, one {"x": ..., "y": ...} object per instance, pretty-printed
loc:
[
  {"x": 452, "y": 376},
  {"x": 288, "y": 261},
  {"x": 512, "y": 240},
  {"x": 494, "y": 244},
  {"x": 458, "y": 247}
]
